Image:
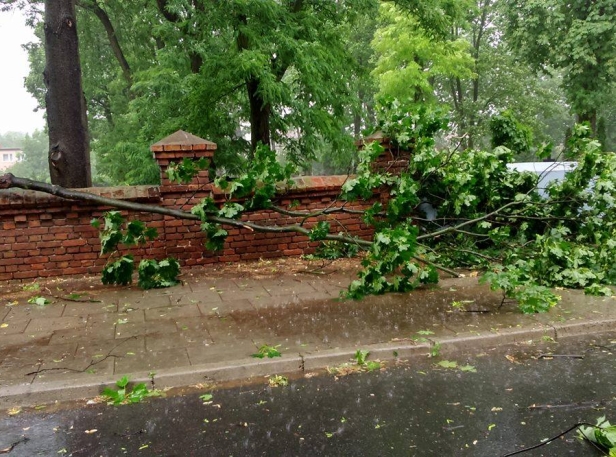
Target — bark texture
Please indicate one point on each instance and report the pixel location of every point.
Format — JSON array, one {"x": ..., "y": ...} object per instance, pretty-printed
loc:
[{"x": 69, "y": 152}]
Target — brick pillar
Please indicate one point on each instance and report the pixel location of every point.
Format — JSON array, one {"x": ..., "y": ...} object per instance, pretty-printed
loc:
[
  {"x": 175, "y": 148},
  {"x": 392, "y": 160}
]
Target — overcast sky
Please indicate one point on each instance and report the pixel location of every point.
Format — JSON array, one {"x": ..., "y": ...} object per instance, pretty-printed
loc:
[{"x": 16, "y": 105}]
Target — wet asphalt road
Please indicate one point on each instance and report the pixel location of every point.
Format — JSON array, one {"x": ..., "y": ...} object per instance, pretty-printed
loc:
[{"x": 516, "y": 398}]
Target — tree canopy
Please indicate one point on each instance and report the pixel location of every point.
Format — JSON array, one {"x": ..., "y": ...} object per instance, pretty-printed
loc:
[{"x": 577, "y": 38}]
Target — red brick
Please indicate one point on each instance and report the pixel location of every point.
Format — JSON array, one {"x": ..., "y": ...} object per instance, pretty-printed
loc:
[
  {"x": 251, "y": 256},
  {"x": 23, "y": 246},
  {"x": 76, "y": 242},
  {"x": 25, "y": 274},
  {"x": 61, "y": 258},
  {"x": 74, "y": 271},
  {"x": 37, "y": 259},
  {"x": 85, "y": 256},
  {"x": 63, "y": 229},
  {"x": 48, "y": 244},
  {"x": 229, "y": 258}
]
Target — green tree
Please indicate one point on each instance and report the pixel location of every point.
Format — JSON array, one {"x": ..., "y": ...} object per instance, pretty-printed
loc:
[
  {"x": 33, "y": 159},
  {"x": 468, "y": 67},
  {"x": 509, "y": 132},
  {"x": 410, "y": 59},
  {"x": 12, "y": 139},
  {"x": 277, "y": 71},
  {"x": 577, "y": 38}
]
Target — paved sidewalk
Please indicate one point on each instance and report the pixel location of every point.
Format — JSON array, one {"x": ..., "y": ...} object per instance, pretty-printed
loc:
[{"x": 207, "y": 329}]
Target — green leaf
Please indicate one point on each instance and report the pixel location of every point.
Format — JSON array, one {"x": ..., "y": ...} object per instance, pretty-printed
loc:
[
  {"x": 447, "y": 364},
  {"x": 361, "y": 356},
  {"x": 231, "y": 210},
  {"x": 119, "y": 272},
  {"x": 319, "y": 231},
  {"x": 38, "y": 300},
  {"x": 269, "y": 351},
  {"x": 156, "y": 275}
]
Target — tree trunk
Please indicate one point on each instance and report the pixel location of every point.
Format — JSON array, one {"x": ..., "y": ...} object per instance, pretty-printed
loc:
[
  {"x": 69, "y": 153},
  {"x": 591, "y": 118},
  {"x": 259, "y": 115}
]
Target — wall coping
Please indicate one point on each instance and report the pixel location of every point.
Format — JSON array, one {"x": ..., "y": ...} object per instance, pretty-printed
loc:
[
  {"x": 19, "y": 198},
  {"x": 16, "y": 198}
]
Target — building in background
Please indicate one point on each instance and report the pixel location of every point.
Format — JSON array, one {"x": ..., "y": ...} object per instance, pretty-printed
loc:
[{"x": 9, "y": 157}]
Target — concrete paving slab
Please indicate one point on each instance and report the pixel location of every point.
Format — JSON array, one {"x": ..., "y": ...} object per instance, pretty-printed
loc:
[
  {"x": 134, "y": 316},
  {"x": 205, "y": 296},
  {"x": 193, "y": 324},
  {"x": 29, "y": 311},
  {"x": 17, "y": 374},
  {"x": 165, "y": 291},
  {"x": 226, "y": 307},
  {"x": 291, "y": 299},
  {"x": 216, "y": 283},
  {"x": 57, "y": 323},
  {"x": 232, "y": 294},
  {"x": 32, "y": 355},
  {"x": 227, "y": 330},
  {"x": 240, "y": 350},
  {"x": 247, "y": 283},
  {"x": 575, "y": 305},
  {"x": 99, "y": 349},
  {"x": 136, "y": 329},
  {"x": 172, "y": 312},
  {"x": 12, "y": 327},
  {"x": 86, "y": 309},
  {"x": 90, "y": 332},
  {"x": 16, "y": 340},
  {"x": 73, "y": 368},
  {"x": 182, "y": 339},
  {"x": 152, "y": 361},
  {"x": 290, "y": 288},
  {"x": 147, "y": 302},
  {"x": 113, "y": 294}
]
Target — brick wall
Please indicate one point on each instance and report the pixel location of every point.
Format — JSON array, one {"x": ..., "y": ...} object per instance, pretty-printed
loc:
[{"x": 42, "y": 235}]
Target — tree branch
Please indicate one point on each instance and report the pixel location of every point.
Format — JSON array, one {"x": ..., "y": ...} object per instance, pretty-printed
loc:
[
  {"x": 10, "y": 181},
  {"x": 102, "y": 15},
  {"x": 464, "y": 224}
]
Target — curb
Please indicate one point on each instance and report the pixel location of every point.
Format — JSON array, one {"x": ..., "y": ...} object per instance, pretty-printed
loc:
[{"x": 27, "y": 395}]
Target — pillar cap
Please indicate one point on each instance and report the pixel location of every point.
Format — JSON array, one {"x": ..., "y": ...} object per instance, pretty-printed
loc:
[{"x": 182, "y": 141}]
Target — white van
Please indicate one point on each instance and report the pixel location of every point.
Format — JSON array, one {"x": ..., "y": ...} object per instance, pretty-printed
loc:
[{"x": 548, "y": 171}]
